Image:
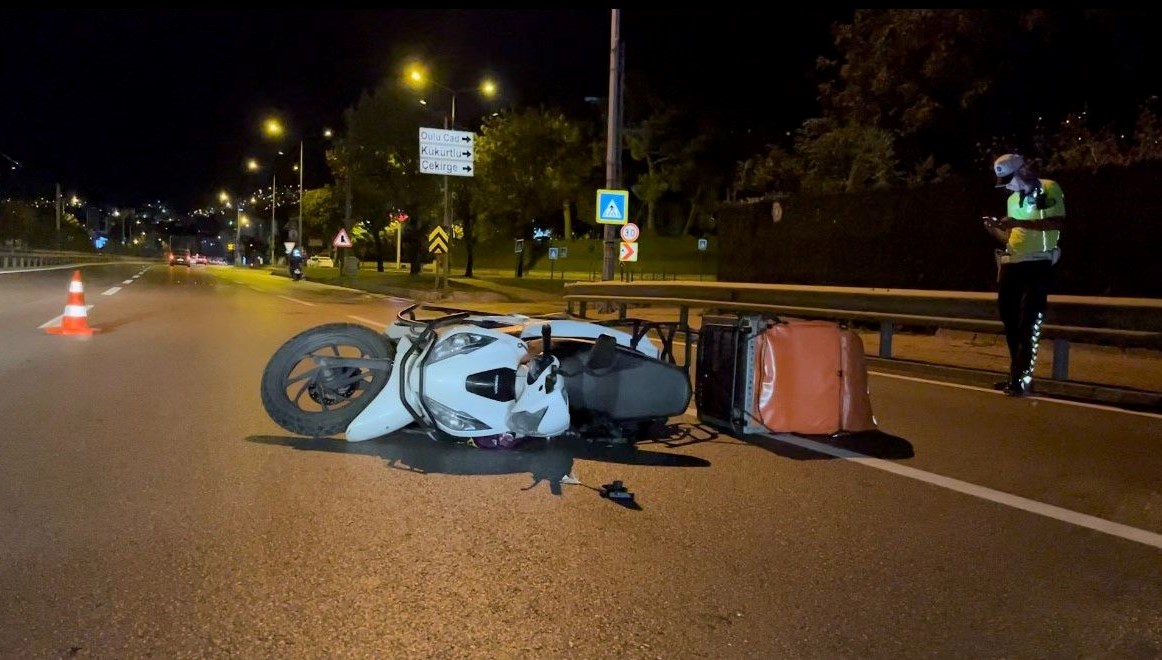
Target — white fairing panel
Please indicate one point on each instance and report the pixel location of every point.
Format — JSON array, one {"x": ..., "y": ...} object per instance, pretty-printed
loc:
[
  {"x": 445, "y": 381},
  {"x": 386, "y": 413},
  {"x": 551, "y": 409}
]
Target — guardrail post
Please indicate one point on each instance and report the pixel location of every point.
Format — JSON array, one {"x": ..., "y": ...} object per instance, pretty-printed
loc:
[
  {"x": 886, "y": 329},
  {"x": 621, "y": 311},
  {"x": 684, "y": 324},
  {"x": 581, "y": 308},
  {"x": 1060, "y": 359}
]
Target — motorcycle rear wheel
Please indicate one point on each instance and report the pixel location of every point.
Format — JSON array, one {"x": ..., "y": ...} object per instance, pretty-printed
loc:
[{"x": 303, "y": 398}]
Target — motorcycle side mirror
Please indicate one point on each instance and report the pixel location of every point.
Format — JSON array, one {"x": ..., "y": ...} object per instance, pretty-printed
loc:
[
  {"x": 545, "y": 359},
  {"x": 604, "y": 350}
]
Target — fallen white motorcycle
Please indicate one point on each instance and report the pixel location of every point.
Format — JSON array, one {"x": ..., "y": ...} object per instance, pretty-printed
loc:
[{"x": 463, "y": 374}]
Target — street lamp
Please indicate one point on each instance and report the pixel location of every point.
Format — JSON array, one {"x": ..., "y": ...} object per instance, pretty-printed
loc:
[
  {"x": 242, "y": 220},
  {"x": 274, "y": 129},
  {"x": 252, "y": 165},
  {"x": 239, "y": 219},
  {"x": 418, "y": 77}
]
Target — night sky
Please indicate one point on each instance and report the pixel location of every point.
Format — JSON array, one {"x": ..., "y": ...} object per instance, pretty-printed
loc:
[{"x": 130, "y": 106}]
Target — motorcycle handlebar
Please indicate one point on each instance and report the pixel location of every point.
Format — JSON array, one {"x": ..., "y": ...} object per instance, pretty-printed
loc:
[{"x": 447, "y": 320}]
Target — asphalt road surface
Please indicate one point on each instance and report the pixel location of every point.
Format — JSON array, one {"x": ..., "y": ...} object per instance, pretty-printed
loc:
[{"x": 149, "y": 507}]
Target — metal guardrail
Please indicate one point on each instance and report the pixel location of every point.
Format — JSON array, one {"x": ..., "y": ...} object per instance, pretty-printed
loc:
[
  {"x": 14, "y": 259},
  {"x": 1128, "y": 322}
]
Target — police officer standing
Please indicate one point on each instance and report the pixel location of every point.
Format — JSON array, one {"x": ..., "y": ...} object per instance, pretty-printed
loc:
[{"x": 1029, "y": 231}]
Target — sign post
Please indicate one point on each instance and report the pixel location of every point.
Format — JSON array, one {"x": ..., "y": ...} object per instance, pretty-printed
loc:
[
  {"x": 629, "y": 248},
  {"x": 702, "y": 243},
  {"x": 342, "y": 240},
  {"x": 399, "y": 220},
  {"x": 518, "y": 246},
  {"x": 449, "y": 153}
]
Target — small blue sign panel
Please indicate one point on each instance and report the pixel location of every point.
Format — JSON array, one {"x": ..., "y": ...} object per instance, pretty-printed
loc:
[
  {"x": 702, "y": 243},
  {"x": 552, "y": 254},
  {"x": 613, "y": 207}
]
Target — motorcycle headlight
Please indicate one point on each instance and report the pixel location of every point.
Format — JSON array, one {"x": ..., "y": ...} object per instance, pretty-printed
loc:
[
  {"x": 459, "y": 344},
  {"x": 453, "y": 419}
]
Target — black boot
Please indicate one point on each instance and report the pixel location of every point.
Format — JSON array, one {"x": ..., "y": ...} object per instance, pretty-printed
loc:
[{"x": 1016, "y": 387}]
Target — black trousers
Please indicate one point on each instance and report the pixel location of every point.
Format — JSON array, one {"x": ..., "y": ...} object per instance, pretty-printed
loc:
[{"x": 1023, "y": 289}]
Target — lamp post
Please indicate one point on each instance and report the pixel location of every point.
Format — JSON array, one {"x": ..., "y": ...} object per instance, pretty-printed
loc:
[
  {"x": 419, "y": 77},
  {"x": 238, "y": 258},
  {"x": 274, "y": 129},
  {"x": 273, "y": 207},
  {"x": 251, "y": 166},
  {"x": 444, "y": 260},
  {"x": 302, "y": 240}
]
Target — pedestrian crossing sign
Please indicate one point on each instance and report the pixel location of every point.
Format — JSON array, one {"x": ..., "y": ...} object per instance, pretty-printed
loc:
[{"x": 613, "y": 207}]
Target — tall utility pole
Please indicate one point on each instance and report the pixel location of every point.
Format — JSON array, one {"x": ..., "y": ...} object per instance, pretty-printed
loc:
[
  {"x": 346, "y": 265},
  {"x": 613, "y": 137},
  {"x": 238, "y": 253},
  {"x": 302, "y": 239},
  {"x": 59, "y": 203},
  {"x": 445, "y": 263},
  {"x": 273, "y": 205}
]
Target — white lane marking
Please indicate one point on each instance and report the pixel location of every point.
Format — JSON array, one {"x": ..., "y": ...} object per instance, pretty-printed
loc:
[
  {"x": 301, "y": 302},
  {"x": 1032, "y": 506},
  {"x": 368, "y": 321},
  {"x": 1039, "y": 399},
  {"x": 110, "y": 291},
  {"x": 127, "y": 281},
  {"x": 57, "y": 319}
]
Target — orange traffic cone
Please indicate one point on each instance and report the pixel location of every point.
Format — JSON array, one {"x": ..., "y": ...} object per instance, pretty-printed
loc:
[{"x": 75, "y": 320}]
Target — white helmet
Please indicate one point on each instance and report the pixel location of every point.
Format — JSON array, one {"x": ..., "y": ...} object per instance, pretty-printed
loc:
[{"x": 1006, "y": 167}]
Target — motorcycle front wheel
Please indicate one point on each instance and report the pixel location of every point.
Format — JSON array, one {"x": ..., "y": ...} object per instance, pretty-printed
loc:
[{"x": 302, "y": 397}]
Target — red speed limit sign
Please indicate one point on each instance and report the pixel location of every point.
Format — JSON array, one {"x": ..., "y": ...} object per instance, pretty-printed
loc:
[{"x": 629, "y": 232}]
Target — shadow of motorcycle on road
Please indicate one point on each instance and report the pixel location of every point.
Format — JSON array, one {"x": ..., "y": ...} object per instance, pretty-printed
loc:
[{"x": 549, "y": 461}]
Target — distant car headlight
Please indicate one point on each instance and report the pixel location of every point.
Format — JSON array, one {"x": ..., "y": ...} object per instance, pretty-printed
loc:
[{"x": 459, "y": 344}]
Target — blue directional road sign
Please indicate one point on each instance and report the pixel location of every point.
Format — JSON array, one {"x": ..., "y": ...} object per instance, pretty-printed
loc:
[{"x": 613, "y": 207}]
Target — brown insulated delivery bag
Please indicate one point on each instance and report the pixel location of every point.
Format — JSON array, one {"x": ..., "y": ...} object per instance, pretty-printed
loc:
[{"x": 811, "y": 378}]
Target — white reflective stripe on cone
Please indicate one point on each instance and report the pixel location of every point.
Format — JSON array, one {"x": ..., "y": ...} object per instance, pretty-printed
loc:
[
  {"x": 76, "y": 310},
  {"x": 76, "y": 287}
]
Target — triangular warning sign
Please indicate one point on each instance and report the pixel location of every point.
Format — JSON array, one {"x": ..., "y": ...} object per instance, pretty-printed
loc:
[
  {"x": 342, "y": 239},
  {"x": 612, "y": 212}
]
